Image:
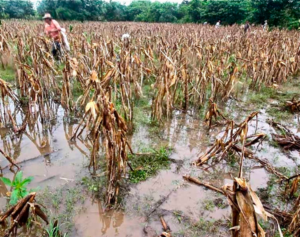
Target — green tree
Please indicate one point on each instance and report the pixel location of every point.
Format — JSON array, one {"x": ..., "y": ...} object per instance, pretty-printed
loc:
[
  {"x": 183, "y": 12},
  {"x": 196, "y": 10},
  {"x": 168, "y": 12},
  {"x": 73, "y": 10},
  {"x": 136, "y": 10},
  {"x": 284, "y": 13},
  {"x": 115, "y": 11},
  {"x": 47, "y": 6},
  {"x": 277, "y": 12},
  {"x": 17, "y": 9},
  {"x": 229, "y": 12}
]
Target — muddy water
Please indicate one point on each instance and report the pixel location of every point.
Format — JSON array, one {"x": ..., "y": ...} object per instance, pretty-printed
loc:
[
  {"x": 179, "y": 200},
  {"x": 45, "y": 153},
  {"x": 187, "y": 136}
]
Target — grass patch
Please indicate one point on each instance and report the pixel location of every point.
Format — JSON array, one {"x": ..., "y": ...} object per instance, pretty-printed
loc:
[
  {"x": 147, "y": 165},
  {"x": 77, "y": 89},
  {"x": 7, "y": 74},
  {"x": 231, "y": 160},
  {"x": 274, "y": 144},
  {"x": 209, "y": 205},
  {"x": 281, "y": 94},
  {"x": 261, "y": 99},
  {"x": 278, "y": 114},
  {"x": 262, "y": 96},
  {"x": 203, "y": 227},
  {"x": 61, "y": 204}
]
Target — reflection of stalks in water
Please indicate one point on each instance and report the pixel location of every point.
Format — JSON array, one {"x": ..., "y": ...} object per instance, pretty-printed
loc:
[
  {"x": 42, "y": 143},
  {"x": 68, "y": 129},
  {"x": 12, "y": 145},
  {"x": 106, "y": 218},
  {"x": 10, "y": 160}
]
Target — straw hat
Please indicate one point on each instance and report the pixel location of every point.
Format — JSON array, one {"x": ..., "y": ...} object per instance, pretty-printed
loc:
[{"x": 47, "y": 16}]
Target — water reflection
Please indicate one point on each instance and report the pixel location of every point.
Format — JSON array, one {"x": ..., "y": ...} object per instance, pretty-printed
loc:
[
  {"x": 111, "y": 218},
  {"x": 95, "y": 221},
  {"x": 38, "y": 136}
]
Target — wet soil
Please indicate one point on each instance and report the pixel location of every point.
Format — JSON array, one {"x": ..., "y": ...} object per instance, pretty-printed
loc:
[{"x": 46, "y": 153}]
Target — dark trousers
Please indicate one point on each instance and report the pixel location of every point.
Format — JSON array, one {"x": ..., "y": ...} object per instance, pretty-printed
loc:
[{"x": 56, "y": 50}]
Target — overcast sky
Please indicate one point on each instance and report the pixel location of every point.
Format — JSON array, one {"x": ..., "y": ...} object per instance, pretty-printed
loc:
[{"x": 129, "y": 1}]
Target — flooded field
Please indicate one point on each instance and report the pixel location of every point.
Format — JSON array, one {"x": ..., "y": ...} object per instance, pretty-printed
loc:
[
  {"x": 59, "y": 168},
  {"x": 117, "y": 134}
]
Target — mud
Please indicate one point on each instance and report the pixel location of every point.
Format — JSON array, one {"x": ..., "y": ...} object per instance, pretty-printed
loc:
[{"x": 46, "y": 153}]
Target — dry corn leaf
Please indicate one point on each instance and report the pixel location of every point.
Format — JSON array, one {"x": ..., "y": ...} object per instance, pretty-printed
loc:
[{"x": 93, "y": 108}]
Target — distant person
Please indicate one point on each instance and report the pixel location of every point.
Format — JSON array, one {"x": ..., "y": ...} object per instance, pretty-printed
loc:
[
  {"x": 247, "y": 27},
  {"x": 125, "y": 36},
  {"x": 52, "y": 30},
  {"x": 126, "y": 39},
  {"x": 218, "y": 25},
  {"x": 205, "y": 23},
  {"x": 266, "y": 26}
]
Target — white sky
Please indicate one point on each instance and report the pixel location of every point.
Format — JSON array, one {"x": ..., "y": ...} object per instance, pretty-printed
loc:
[{"x": 127, "y": 2}]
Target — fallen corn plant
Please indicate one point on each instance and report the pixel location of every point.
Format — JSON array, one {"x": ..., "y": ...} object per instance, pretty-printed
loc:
[
  {"x": 245, "y": 205},
  {"x": 25, "y": 209},
  {"x": 231, "y": 138},
  {"x": 293, "y": 105},
  {"x": 234, "y": 141},
  {"x": 287, "y": 139}
]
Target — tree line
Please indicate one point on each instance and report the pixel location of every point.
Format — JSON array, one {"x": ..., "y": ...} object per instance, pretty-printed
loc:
[{"x": 282, "y": 13}]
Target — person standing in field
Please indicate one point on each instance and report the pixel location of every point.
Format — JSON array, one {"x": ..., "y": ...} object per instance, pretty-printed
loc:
[
  {"x": 247, "y": 27},
  {"x": 52, "y": 30},
  {"x": 266, "y": 26},
  {"x": 218, "y": 24}
]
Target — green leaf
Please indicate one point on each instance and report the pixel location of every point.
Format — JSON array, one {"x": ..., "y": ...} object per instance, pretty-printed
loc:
[
  {"x": 6, "y": 181},
  {"x": 14, "y": 197},
  {"x": 24, "y": 193},
  {"x": 27, "y": 181},
  {"x": 19, "y": 176}
]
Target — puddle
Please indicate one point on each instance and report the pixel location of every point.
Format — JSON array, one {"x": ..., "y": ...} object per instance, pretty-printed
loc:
[
  {"x": 44, "y": 152},
  {"x": 96, "y": 222}
]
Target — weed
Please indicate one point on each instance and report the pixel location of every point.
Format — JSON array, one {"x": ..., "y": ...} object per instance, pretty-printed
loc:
[
  {"x": 7, "y": 74},
  {"x": 285, "y": 233},
  {"x": 286, "y": 171},
  {"x": 147, "y": 165},
  {"x": 61, "y": 203},
  {"x": 208, "y": 205},
  {"x": 205, "y": 225},
  {"x": 53, "y": 230},
  {"x": 261, "y": 97},
  {"x": 19, "y": 187},
  {"x": 274, "y": 144},
  {"x": 232, "y": 160},
  {"x": 77, "y": 89},
  {"x": 90, "y": 184},
  {"x": 264, "y": 225},
  {"x": 178, "y": 216},
  {"x": 278, "y": 114}
]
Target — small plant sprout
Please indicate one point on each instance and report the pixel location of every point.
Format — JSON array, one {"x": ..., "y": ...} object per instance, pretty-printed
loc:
[{"x": 19, "y": 187}]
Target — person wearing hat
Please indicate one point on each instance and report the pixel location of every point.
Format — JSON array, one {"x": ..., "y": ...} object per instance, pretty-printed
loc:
[{"x": 53, "y": 29}]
